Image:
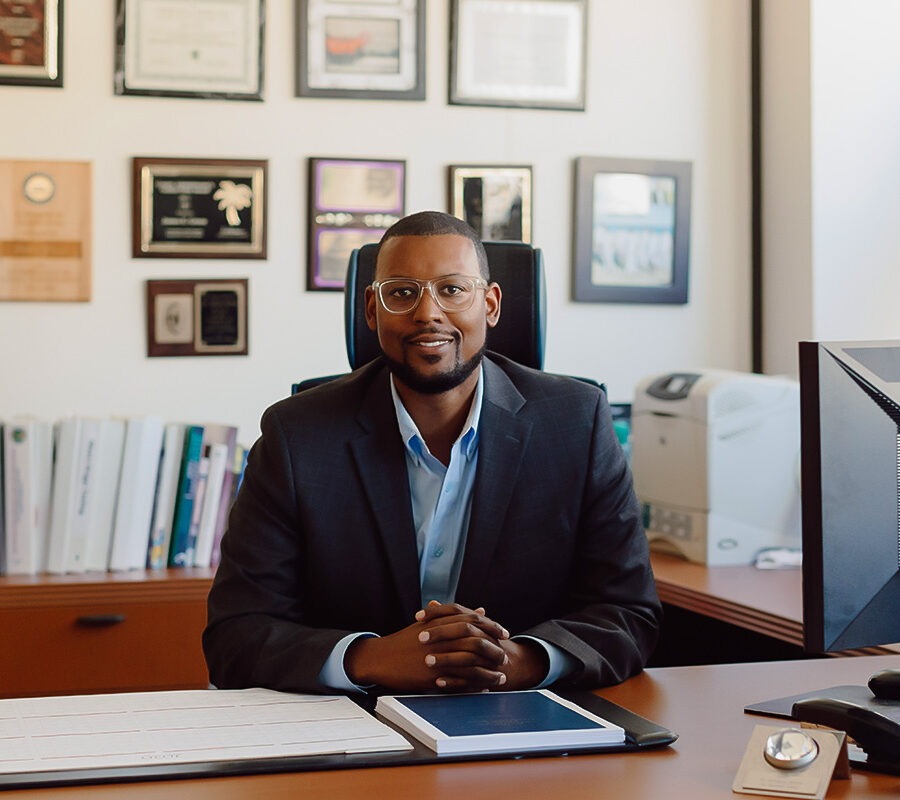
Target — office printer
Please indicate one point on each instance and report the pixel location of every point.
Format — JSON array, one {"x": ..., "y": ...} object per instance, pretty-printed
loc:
[{"x": 715, "y": 457}]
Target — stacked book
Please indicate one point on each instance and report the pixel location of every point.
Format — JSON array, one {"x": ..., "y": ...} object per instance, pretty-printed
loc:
[{"x": 86, "y": 495}]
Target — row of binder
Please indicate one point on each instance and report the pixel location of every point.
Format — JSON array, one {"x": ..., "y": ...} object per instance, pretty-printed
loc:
[{"x": 109, "y": 494}]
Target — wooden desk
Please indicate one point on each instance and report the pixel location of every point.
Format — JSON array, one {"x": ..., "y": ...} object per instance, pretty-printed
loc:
[
  {"x": 704, "y": 704},
  {"x": 769, "y": 602},
  {"x": 765, "y": 601}
]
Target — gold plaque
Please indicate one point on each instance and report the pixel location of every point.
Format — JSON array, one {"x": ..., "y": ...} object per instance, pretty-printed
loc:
[{"x": 45, "y": 230}]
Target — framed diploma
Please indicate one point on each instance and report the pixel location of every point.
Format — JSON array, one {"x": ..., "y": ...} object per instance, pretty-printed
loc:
[
  {"x": 31, "y": 42},
  {"x": 352, "y": 202},
  {"x": 45, "y": 230},
  {"x": 373, "y": 50},
  {"x": 197, "y": 317},
  {"x": 494, "y": 200},
  {"x": 210, "y": 49},
  {"x": 198, "y": 208},
  {"x": 520, "y": 53}
]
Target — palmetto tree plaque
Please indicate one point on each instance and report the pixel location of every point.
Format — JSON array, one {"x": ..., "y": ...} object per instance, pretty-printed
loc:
[{"x": 199, "y": 208}]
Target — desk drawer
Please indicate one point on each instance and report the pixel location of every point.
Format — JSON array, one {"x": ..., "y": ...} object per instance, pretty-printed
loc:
[{"x": 104, "y": 646}]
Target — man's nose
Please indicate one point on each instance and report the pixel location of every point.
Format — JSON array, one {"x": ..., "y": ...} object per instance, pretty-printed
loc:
[{"x": 428, "y": 307}]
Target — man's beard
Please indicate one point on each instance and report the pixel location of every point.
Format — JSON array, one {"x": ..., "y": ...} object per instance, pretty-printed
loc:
[{"x": 434, "y": 384}]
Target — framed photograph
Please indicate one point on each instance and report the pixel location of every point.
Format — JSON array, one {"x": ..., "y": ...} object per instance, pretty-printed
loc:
[
  {"x": 632, "y": 230},
  {"x": 373, "y": 50},
  {"x": 197, "y": 317},
  {"x": 520, "y": 53},
  {"x": 352, "y": 202},
  {"x": 45, "y": 230},
  {"x": 182, "y": 48},
  {"x": 494, "y": 200},
  {"x": 31, "y": 43},
  {"x": 198, "y": 208}
]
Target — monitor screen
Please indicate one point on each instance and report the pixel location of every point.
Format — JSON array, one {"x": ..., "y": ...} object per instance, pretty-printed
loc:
[{"x": 850, "y": 477}]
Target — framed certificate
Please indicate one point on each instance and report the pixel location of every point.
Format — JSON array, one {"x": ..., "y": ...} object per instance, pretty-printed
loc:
[
  {"x": 632, "y": 230},
  {"x": 352, "y": 202},
  {"x": 197, "y": 317},
  {"x": 31, "y": 42},
  {"x": 184, "y": 48},
  {"x": 198, "y": 208},
  {"x": 373, "y": 50},
  {"x": 494, "y": 200},
  {"x": 521, "y": 53}
]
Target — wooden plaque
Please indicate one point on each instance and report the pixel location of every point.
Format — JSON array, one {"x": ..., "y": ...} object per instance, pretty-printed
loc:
[{"x": 45, "y": 230}]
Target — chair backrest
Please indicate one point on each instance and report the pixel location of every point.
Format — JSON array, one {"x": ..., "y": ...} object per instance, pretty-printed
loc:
[{"x": 520, "y": 333}]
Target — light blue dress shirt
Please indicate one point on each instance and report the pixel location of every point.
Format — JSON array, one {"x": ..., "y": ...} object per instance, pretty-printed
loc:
[{"x": 441, "y": 506}]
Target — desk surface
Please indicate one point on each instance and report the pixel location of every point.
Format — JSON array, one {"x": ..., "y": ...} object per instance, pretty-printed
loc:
[
  {"x": 704, "y": 704},
  {"x": 766, "y": 601}
]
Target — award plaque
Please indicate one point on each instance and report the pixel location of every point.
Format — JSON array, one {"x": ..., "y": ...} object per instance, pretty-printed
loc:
[
  {"x": 31, "y": 42},
  {"x": 198, "y": 208},
  {"x": 197, "y": 317},
  {"x": 45, "y": 230}
]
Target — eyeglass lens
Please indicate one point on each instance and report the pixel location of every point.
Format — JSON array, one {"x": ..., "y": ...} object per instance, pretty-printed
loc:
[{"x": 452, "y": 293}]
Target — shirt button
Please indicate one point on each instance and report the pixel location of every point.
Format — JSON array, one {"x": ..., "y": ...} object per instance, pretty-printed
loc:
[{"x": 438, "y": 552}]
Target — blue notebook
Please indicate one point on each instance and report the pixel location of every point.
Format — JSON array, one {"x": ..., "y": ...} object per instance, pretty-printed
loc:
[{"x": 498, "y": 722}]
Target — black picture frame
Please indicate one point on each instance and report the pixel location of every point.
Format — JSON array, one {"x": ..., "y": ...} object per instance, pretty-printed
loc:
[
  {"x": 495, "y": 199},
  {"x": 140, "y": 71},
  {"x": 331, "y": 56},
  {"x": 219, "y": 212},
  {"x": 632, "y": 230},
  {"x": 352, "y": 202},
  {"x": 497, "y": 63},
  {"x": 41, "y": 47}
]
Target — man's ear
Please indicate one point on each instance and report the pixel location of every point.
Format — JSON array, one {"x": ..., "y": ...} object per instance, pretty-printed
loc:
[
  {"x": 371, "y": 300},
  {"x": 492, "y": 297}
]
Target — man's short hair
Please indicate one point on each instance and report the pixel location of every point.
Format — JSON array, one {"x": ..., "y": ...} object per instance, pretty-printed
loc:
[{"x": 437, "y": 223}]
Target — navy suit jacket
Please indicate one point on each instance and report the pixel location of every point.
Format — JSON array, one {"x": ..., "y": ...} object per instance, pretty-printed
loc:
[{"x": 321, "y": 543}]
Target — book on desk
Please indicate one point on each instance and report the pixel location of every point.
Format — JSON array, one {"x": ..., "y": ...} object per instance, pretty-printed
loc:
[{"x": 498, "y": 722}]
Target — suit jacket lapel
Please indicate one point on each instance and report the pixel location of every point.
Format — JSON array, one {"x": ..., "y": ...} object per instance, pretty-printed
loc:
[
  {"x": 502, "y": 440},
  {"x": 381, "y": 462}
]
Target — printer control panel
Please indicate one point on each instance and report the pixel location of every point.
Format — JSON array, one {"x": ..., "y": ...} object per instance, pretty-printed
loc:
[{"x": 674, "y": 386}]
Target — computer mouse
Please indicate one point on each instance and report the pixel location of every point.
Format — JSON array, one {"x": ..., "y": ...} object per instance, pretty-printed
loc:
[{"x": 885, "y": 685}]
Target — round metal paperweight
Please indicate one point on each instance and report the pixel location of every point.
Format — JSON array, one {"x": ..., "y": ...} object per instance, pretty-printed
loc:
[{"x": 790, "y": 748}]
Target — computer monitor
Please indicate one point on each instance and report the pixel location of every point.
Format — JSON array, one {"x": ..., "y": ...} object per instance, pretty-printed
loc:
[{"x": 850, "y": 489}]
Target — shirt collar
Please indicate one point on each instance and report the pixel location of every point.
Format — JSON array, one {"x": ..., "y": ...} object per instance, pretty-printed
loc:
[{"x": 412, "y": 439}]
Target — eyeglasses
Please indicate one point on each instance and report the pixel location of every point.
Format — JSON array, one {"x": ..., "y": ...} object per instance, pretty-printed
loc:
[{"x": 451, "y": 292}]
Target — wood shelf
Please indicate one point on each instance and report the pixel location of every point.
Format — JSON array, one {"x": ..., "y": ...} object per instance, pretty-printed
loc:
[{"x": 103, "y": 632}]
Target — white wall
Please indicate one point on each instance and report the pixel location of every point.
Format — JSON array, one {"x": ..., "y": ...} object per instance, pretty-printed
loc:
[
  {"x": 856, "y": 169},
  {"x": 831, "y": 112},
  {"x": 666, "y": 80}
]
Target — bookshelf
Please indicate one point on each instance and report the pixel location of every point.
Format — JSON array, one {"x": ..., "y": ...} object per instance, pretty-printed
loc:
[{"x": 103, "y": 632}]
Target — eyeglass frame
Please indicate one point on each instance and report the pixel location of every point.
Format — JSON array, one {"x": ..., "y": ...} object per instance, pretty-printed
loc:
[{"x": 480, "y": 283}]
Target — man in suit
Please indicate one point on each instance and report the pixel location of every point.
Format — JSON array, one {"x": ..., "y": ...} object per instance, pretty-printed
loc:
[{"x": 441, "y": 519}]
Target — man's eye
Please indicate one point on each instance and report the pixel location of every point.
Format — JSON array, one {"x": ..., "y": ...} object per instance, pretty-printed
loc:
[
  {"x": 453, "y": 289},
  {"x": 402, "y": 292}
]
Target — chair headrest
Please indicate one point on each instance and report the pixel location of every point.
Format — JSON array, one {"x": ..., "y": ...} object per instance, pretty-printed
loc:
[{"x": 520, "y": 334}]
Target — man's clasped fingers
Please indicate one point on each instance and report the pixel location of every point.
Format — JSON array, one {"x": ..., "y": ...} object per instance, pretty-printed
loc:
[{"x": 466, "y": 653}]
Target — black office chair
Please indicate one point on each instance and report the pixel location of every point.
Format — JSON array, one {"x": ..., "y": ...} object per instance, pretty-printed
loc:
[{"x": 519, "y": 335}]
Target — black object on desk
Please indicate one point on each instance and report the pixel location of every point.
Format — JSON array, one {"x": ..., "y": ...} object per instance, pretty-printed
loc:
[{"x": 872, "y": 721}]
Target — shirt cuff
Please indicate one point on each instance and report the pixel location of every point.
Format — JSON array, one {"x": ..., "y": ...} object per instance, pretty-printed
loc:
[
  {"x": 333, "y": 675},
  {"x": 561, "y": 663}
]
